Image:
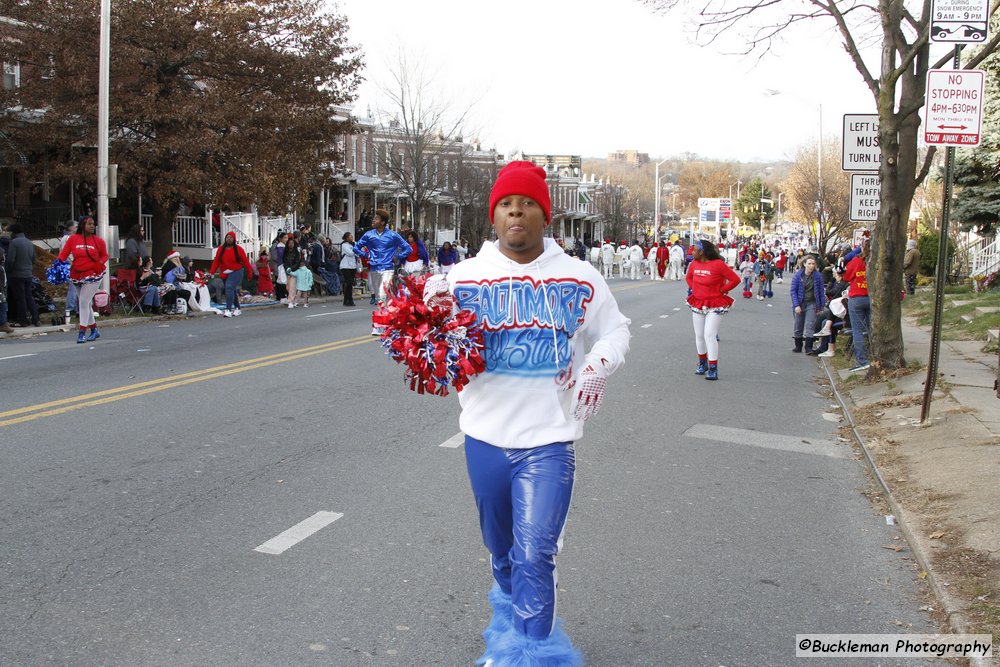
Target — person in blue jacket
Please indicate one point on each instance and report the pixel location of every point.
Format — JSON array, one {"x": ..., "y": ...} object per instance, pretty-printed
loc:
[
  {"x": 808, "y": 300},
  {"x": 384, "y": 249},
  {"x": 447, "y": 257}
]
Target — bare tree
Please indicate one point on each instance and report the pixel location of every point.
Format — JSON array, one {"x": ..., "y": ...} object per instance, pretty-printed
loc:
[
  {"x": 421, "y": 131},
  {"x": 802, "y": 193},
  {"x": 471, "y": 192},
  {"x": 897, "y": 87}
]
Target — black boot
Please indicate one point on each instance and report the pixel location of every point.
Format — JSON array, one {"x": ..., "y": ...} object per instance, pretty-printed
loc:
[
  {"x": 798, "y": 344},
  {"x": 809, "y": 345}
]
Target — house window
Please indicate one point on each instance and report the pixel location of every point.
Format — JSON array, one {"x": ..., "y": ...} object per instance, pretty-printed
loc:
[
  {"x": 364, "y": 155},
  {"x": 11, "y": 76}
]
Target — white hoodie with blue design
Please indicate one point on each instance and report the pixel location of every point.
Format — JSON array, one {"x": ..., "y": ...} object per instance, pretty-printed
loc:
[{"x": 540, "y": 321}]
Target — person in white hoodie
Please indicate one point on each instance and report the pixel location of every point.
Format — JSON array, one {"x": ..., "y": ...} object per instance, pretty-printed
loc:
[{"x": 553, "y": 335}]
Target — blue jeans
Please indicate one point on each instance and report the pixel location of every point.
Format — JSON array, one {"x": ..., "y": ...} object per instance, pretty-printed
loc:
[
  {"x": 746, "y": 283},
  {"x": 860, "y": 310},
  {"x": 151, "y": 296},
  {"x": 233, "y": 282},
  {"x": 523, "y": 498},
  {"x": 804, "y": 323},
  {"x": 71, "y": 297}
]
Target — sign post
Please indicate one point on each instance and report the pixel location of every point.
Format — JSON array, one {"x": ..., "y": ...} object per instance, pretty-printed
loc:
[{"x": 953, "y": 117}]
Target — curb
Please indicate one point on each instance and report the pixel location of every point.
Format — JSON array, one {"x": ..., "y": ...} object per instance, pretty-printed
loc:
[{"x": 956, "y": 614}]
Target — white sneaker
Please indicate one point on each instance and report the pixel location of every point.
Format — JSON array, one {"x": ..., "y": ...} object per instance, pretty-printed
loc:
[
  {"x": 825, "y": 331},
  {"x": 828, "y": 353},
  {"x": 305, "y": 305},
  {"x": 779, "y": 281},
  {"x": 291, "y": 305},
  {"x": 237, "y": 312},
  {"x": 860, "y": 367},
  {"x": 227, "y": 313}
]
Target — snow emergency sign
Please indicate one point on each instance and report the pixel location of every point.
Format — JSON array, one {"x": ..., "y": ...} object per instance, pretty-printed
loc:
[
  {"x": 866, "y": 197},
  {"x": 953, "y": 108}
]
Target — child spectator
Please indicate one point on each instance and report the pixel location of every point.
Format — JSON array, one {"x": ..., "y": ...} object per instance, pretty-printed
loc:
[{"x": 265, "y": 283}]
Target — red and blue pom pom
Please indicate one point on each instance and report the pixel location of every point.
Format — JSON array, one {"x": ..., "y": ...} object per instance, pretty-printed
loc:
[
  {"x": 58, "y": 273},
  {"x": 439, "y": 348}
]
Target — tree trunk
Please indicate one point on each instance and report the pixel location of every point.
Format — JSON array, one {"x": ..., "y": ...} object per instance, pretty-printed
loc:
[
  {"x": 162, "y": 233},
  {"x": 885, "y": 261}
]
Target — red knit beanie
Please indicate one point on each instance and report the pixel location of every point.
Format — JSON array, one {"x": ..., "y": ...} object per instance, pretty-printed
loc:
[{"x": 522, "y": 178}]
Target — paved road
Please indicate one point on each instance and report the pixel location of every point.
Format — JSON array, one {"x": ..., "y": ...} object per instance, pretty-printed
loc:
[{"x": 711, "y": 522}]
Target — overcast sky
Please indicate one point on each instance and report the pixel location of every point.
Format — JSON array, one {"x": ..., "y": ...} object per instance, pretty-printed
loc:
[{"x": 588, "y": 77}]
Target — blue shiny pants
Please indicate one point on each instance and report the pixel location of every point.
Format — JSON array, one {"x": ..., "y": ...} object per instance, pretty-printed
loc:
[{"x": 523, "y": 496}]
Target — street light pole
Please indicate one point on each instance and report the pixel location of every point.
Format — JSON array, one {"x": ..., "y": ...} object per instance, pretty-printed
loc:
[
  {"x": 656, "y": 202},
  {"x": 104, "y": 66}
]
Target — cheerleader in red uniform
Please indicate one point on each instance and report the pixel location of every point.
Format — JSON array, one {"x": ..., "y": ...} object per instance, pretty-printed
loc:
[{"x": 709, "y": 280}]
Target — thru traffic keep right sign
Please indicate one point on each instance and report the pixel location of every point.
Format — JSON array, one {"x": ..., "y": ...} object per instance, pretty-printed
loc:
[{"x": 953, "y": 108}]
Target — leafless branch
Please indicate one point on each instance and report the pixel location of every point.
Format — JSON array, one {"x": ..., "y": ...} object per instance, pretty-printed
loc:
[{"x": 925, "y": 168}]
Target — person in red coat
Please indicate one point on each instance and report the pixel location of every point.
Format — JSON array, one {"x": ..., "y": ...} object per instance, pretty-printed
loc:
[
  {"x": 233, "y": 263},
  {"x": 90, "y": 263},
  {"x": 265, "y": 283},
  {"x": 709, "y": 280},
  {"x": 662, "y": 259}
]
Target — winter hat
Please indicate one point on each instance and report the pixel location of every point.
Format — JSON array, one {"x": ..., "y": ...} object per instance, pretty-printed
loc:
[
  {"x": 231, "y": 233},
  {"x": 911, "y": 244},
  {"x": 174, "y": 254},
  {"x": 522, "y": 178}
]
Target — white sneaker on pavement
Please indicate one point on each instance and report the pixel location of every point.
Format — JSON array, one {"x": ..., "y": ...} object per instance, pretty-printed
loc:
[
  {"x": 237, "y": 312},
  {"x": 291, "y": 305},
  {"x": 305, "y": 305},
  {"x": 227, "y": 313}
]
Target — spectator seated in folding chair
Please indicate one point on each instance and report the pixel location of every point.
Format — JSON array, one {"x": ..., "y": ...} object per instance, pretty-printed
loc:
[
  {"x": 149, "y": 284},
  {"x": 127, "y": 293}
]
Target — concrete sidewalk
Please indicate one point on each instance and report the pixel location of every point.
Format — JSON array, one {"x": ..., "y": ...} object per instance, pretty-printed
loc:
[{"x": 942, "y": 478}]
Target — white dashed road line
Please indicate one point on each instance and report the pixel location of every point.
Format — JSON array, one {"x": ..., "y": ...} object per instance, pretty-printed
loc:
[
  {"x": 300, "y": 531},
  {"x": 454, "y": 441},
  {"x": 16, "y": 356},
  {"x": 787, "y": 443},
  {"x": 646, "y": 326},
  {"x": 339, "y": 312}
]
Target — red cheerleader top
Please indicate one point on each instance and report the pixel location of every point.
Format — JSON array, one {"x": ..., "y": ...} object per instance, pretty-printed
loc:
[{"x": 709, "y": 281}]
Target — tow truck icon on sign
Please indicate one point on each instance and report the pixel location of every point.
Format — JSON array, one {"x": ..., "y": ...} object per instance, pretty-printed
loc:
[{"x": 961, "y": 33}]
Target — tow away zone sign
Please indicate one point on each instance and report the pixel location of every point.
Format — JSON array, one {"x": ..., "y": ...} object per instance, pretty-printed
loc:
[
  {"x": 953, "y": 109},
  {"x": 866, "y": 197}
]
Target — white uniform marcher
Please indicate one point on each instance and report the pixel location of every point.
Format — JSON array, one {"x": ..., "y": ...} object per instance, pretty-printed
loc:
[
  {"x": 651, "y": 262},
  {"x": 621, "y": 259},
  {"x": 676, "y": 268},
  {"x": 636, "y": 261},
  {"x": 608, "y": 260}
]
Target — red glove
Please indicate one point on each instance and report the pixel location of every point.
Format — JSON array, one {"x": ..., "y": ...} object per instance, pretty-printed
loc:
[{"x": 590, "y": 384}]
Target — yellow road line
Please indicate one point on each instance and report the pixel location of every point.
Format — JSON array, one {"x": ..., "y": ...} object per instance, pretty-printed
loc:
[
  {"x": 152, "y": 386},
  {"x": 31, "y": 408}
]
